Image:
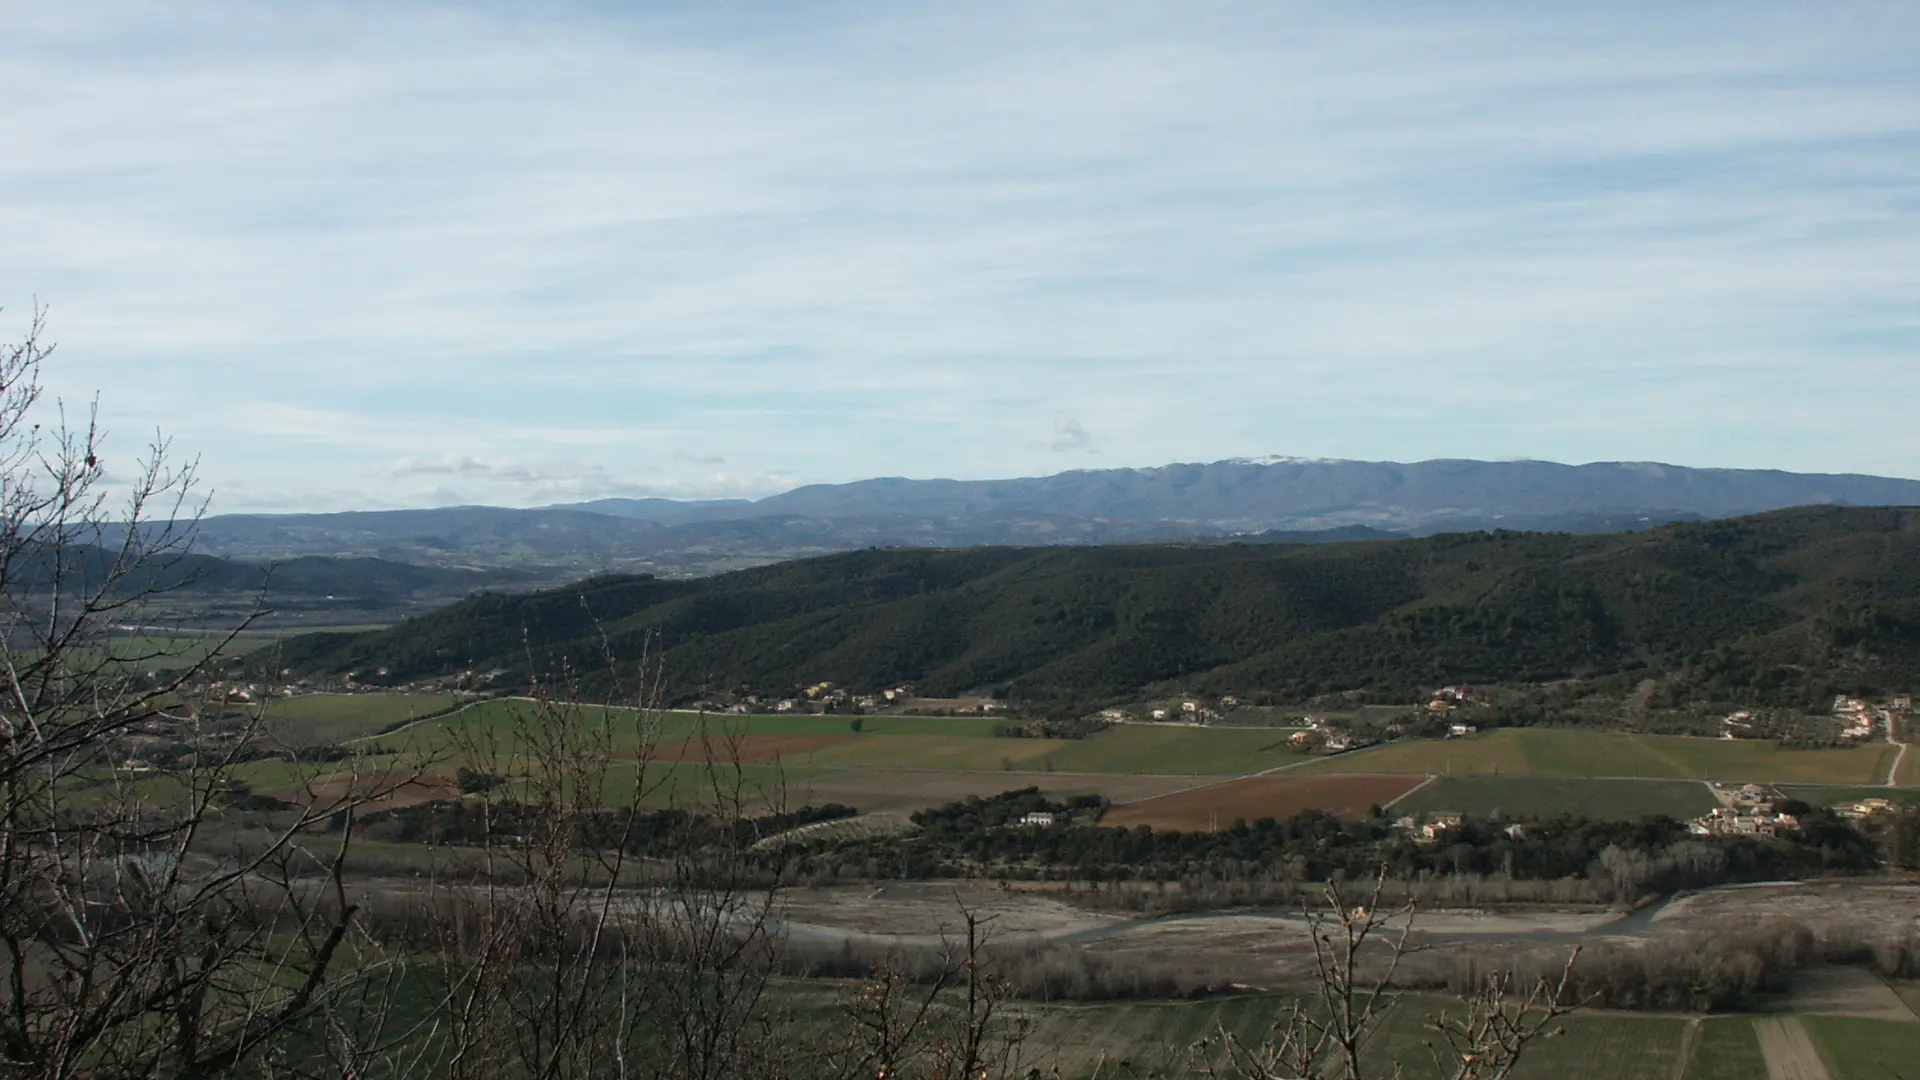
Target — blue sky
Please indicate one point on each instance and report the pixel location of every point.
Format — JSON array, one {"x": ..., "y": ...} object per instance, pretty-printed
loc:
[{"x": 402, "y": 254}]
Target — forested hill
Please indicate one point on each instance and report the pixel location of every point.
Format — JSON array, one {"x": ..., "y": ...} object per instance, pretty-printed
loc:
[
  {"x": 369, "y": 582},
  {"x": 1783, "y": 607}
]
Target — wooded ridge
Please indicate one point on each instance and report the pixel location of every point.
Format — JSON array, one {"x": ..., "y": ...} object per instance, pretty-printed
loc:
[{"x": 1782, "y": 608}]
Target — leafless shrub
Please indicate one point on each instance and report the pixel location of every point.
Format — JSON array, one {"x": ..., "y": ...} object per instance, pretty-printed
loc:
[
  {"x": 126, "y": 948},
  {"x": 1358, "y": 950}
]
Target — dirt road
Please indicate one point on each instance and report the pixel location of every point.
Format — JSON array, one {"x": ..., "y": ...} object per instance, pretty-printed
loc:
[{"x": 1789, "y": 1050}]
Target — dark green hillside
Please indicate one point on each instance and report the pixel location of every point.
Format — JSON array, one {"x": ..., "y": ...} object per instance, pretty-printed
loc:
[
  {"x": 1784, "y": 607},
  {"x": 375, "y": 582}
]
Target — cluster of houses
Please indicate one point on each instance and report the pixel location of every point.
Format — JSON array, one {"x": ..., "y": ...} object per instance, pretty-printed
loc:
[
  {"x": 1440, "y": 824},
  {"x": 1190, "y": 711},
  {"x": 1435, "y": 828},
  {"x": 1866, "y": 809},
  {"x": 824, "y": 697},
  {"x": 1749, "y": 811},
  {"x": 1861, "y": 721},
  {"x": 1325, "y": 734},
  {"x": 1448, "y": 698}
]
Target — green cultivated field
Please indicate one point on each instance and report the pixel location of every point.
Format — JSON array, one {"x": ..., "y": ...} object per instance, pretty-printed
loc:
[
  {"x": 1136, "y": 748},
  {"x": 1152, "y": 1038},
  {"x": 1548, "y": 752},
  {"x": 323, "y": 719},
  {"x": 930, "y": 742},
  {"x": 931, "y": 752},
  {"x": 903, "y": 762},
  {"x": 1592, "y": 1046},
  {"x": 1829, "y": 796},
  {"x": 1548, "y": 796},
  {"x": 1861, "y": 1049},
  {"x": 160, "y": 653},
  {"x": 502, "y": 714},
  {"x": 1728, "y": 1049}
]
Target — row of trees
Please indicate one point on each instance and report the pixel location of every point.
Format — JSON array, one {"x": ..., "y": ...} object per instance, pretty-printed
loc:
[{"x": 1614, "y": 861}]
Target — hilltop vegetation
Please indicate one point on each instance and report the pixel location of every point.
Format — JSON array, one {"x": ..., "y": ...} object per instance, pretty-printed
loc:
[{"x": 1784, "y": 608}]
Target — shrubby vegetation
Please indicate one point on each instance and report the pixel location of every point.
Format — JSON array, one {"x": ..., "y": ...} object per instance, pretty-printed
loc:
[
  {"x": 1723, "y": 971},
  {"x": 1272, "y": 862}
]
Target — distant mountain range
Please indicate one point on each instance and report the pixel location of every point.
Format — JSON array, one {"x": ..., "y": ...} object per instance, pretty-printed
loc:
[{"x": 1277, "y": 499}]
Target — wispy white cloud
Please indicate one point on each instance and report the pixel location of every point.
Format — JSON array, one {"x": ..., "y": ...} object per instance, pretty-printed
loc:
[
  {"x": 840, "y": 241},
  {"x": 1070, "y": 437}
]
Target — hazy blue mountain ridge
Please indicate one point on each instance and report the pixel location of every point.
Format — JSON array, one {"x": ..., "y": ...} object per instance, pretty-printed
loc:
[{"x": 1289, "y": 499}]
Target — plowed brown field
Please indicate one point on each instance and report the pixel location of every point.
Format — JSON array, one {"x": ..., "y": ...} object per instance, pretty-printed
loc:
[
  {"x": 1259, "y": 797},
  {"x": 745, "y": 749}
]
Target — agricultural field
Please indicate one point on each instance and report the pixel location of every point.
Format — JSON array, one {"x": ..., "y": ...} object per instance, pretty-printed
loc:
[
  {"x": 910, "y": 762},
  {"x": 1256, "y": 797},
  {"x": 1148, "y": 1036},
  {"x": 1139, "y": 748},
  {"x": 628, "y": 725},
  {"x": 1552, "y": 796},
  {"x": 1553, "y": 752},
  {"x": 930, "y": 742},
  {"x": 1831, "y": 796},
  {"x": 1726, "y": 1048},
  {"x": 1860, "y": 1049},
  {"x": 1908, "y": 775},
  {"x": 1591, "y": 1046},
  {"x": 328, "y": 719},
  {"x": 1153, "y": 1038},
  {"x": 160, "y": 653},
  {"x": 892, "y": 789}
]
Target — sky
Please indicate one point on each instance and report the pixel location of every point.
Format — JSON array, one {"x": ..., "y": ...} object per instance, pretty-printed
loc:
[{"x": 399, "y": 254}]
